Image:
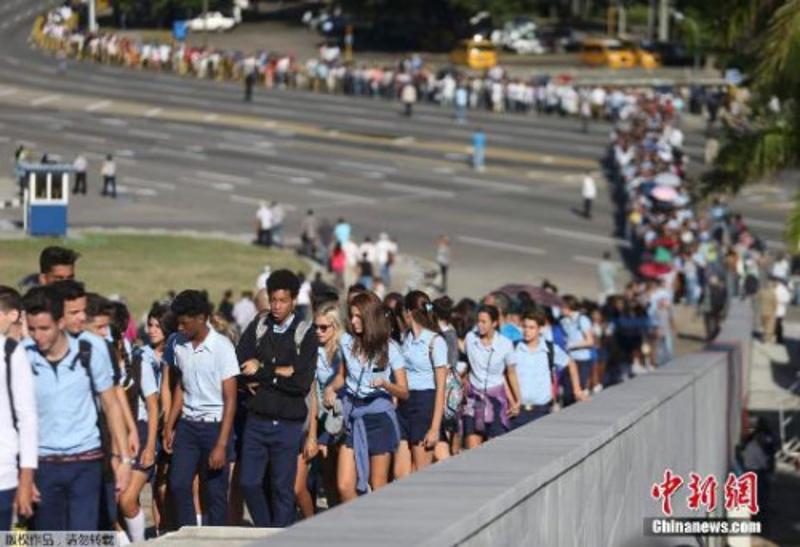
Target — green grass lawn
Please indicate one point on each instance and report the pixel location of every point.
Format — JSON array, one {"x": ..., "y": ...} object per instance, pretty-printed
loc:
[{"x": 142, "y": 268}]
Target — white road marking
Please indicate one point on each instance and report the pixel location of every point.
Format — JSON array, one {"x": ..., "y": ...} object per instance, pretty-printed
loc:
[
  {"x": 87, "y": 138},
  {"x": 147, "y": 182},
  {"x": 114, "y": 122},
  {"x": 172, "y": 153},
  {"x": 592, "y": 260},
  {"x": 444, "y": 170},
  {"x": 99, "y": 105},
  {"x": 374, "y": 175},
  {"x": 489, "y": 184},
  {"x": 248, "y": 151},
  {"x": 143, "y": 192},
  {"x": 45, "y": 99},
  {"x": 418, "y": 190},
  {"x": 248, "y": 200},
  {"x": 8, "y": 91},
  {"x": 341, "y": 196},
  {"x": 296, "y": 171},
  {"x": 153, "y": 112},
  {"x": 764, "y": 224},
  {"x": 210, "y": 117},
  {"x": 233, "y": 179},
  {"x": 586, "y": 236},
  {"x": 367, "y": 166},
  {"x": 157, "y": 135},
  {"x": 493, "y": 244},
  {"x": 303, "y": 181}
]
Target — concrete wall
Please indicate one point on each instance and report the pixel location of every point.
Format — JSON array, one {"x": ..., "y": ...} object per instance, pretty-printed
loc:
[{"x": 581, "y": 477}]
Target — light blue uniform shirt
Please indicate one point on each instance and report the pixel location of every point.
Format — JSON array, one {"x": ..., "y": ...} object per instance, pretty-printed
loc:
[
  {"x": 203, "y": 369},
  {"x": 100, "y": 347},
  {"x": 421, "y": 358},
  {"x": 64, "y": 399},
  {"x": 359, "y": 376},
  {"x": 324, "y": 373},
  {"x": 533, "y": 371},
  {"x": 575, "y": 328},
  {"x": 149, "y": 384},
  {"x": 487, "y": 365}
]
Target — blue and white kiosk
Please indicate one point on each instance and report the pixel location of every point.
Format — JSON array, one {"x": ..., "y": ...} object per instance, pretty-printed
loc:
[{"x": 46, "y": 198}]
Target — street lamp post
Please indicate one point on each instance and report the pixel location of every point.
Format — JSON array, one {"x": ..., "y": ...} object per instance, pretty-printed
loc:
[{"x": 92, "y": 16}]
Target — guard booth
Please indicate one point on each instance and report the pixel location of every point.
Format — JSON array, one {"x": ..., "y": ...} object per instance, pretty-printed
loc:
[{"x": 46, "y": 198}]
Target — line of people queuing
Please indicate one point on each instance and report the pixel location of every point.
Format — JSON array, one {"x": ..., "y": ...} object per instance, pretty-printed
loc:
[
  {"x": 409, "y": 80},
  {"x": 275, "y": 417},
  {"x": 701, "y": 254}
]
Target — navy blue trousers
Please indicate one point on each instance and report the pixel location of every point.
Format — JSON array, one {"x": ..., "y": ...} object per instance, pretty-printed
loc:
[
  {"x": 7, "y": 508},
  {"x": 193, "y": 443},
  {"x": 273, "y": 445},
  {"x": 528, "y": 416},
  {"x": 70, "y": 496}
]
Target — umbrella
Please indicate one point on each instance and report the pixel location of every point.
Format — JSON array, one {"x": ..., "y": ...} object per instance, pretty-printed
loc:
[
  {"x": 537, "y": 294},
  {"x": 668, "y": 179},
  {"x": 652, "y": 270},
  {"x": 664, "y": 193}
]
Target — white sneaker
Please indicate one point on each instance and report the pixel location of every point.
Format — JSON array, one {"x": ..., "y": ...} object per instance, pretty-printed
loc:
[{"x": 598, "y": 388}]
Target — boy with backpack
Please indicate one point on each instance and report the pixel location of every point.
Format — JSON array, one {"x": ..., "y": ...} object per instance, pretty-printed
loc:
[
  {"x": 538, "y": 362},
  {"x": 580, "y": 342},
  {"x": 279, "y": 351},
  {"x": 68, "y": 375}
]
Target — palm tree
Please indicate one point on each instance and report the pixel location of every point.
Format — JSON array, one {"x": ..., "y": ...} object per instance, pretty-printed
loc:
[{"x": 770, "y": 141}]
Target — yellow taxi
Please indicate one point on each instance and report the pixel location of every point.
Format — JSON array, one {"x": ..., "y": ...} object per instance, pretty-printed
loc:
[
  {"x": 607, "y": 52},
  {"x": 477, "y": 54},
  {"x": 644, "y": 57}
]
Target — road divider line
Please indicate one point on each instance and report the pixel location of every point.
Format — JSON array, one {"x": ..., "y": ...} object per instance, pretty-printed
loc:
[
  {"x": 586, "y": 236},
  {"x": 418, "y": 190},
  {"x": 489, "y": 184},
  {"x": 8, "y": 91},
  {"x": 145, "y": 134},
  {"x": 764, "y": 224},
  {"x": 296, "y": 171},
  {"x": 224, "y": 177},
  {"x": 341, "y": 196},
  {"x": 39, "y": 101},
  {"x": 148, "y": 182},
  {"x": 360, "y": 166},
  {"x": 99, "y": 105},
  {"x": 153, "y": 112},
  {"x": 499, "y": 245}
]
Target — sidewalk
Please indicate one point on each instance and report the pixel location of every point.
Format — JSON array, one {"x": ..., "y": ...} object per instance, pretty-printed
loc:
[{"x": 773, "y": 370}]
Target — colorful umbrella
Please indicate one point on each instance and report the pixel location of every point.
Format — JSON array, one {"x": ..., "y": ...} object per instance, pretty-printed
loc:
[
  {"x": 653, "y": 270},
  {"x": 537, "y": 294},
  {"x": 664, "y": 193}
]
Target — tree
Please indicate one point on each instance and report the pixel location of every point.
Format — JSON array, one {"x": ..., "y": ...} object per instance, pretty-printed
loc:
[{"x": 770, "y": 141}]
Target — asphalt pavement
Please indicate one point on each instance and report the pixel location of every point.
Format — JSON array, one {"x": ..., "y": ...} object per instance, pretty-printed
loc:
[{"x": 192, "y": 155}]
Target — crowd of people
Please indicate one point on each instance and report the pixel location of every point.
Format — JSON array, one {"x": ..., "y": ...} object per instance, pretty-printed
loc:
[
  {"x": 410, "y": 80},
  {"x": 325, "y": 400}
]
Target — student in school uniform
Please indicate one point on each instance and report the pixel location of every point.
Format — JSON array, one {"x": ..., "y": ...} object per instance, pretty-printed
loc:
[
  {"x": 373, "y": 373},
  {"x": 75, "y": 303},
  {"x": 420, "y": 416},
  {"x": 69, "y": 373},
  {"x": 580, "y": 341},
  {"x": 532, "y": 360},
  {"x": 56, "y": 264},
  {"x": 279, "y": 351},
  {"x": 198, "y": 430},
  {"x": 319, "y": 442},
  {"x": 142, "y": 390},
  {"x": 160, "y": 326},
  {"x": 492, "y": 391},
  {"x": 18, "y": 428},
  {"x": 12, "y": 324}
]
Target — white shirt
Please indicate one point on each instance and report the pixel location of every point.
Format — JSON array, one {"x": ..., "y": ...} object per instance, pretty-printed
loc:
[
  {"x": 780, "y": 269},
  {"x": 784, "y": 297},
  {"x": 25, "y": 443},
  {"x": 367, "y": 248},
  {"x": 244, "y": 311},
  {"x": 80, "y": 164},
  {"x": 203, "y": 369},
  {"x": 109, "y": 169},
  {"x": 384, "y": 248},
  {"x": 304, "y": 294},
  {"x": 589, "y": 190},
  {"x": 265, "y": 217}
]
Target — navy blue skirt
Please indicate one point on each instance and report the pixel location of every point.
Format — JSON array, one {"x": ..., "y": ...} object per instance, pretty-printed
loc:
[
  {"x": 415, "y": 415},
  {"x": 381, "y": 434}
]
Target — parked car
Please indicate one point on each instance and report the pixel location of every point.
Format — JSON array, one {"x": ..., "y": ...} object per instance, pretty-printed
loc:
[
  {"x": 518, "y": 36},
  {"x": 213, "y": 21},
  {"x": 607, "y": 52},
  {"x": 477, "y": 54}
]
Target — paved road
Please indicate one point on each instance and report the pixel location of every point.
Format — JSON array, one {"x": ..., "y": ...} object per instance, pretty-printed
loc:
[{"x": 191, "y": 154}]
